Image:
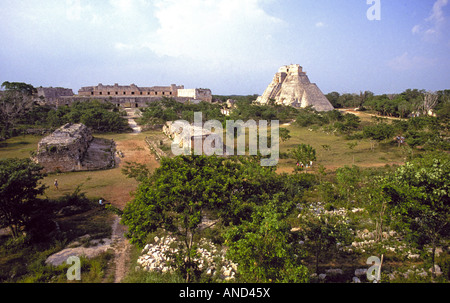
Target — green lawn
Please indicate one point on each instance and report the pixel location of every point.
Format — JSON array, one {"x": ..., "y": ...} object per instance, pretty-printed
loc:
[
  {"x": 110, "y": 184},
  {"x": 19, "y": 147},
  {"x": 333, "y": 151}
]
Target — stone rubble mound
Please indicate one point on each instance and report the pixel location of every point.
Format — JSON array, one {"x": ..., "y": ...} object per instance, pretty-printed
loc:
[{"x": 212, "y": 260}]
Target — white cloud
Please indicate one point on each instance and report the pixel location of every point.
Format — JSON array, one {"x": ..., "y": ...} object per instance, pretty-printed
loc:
[
  {"x": 407, "y": 62},
  {"x": 416, "y": 29},
  {"x": 437, "y": 14},
  {"x": 432, "y": 26},
  {"x": 320, "y": 24},
  {"x": 233, "y": 30}
]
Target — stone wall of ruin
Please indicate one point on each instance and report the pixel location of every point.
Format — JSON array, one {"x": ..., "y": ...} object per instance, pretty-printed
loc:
[
  {"x": 123, "y": 96},
  {"x": 50, "y": 95},
  {"x": 130, "y": 90},
  {"x": 196, "y": 94},
  {"x": 118, "y": 101},
  {"x": 64, "y": 149}
]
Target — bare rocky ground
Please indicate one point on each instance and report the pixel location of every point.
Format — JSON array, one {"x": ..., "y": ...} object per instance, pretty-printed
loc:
[{"x": 117, "y": 243}]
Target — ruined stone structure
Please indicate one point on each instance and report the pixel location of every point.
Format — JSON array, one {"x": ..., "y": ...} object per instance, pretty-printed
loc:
[
  {"x": 291, "y": 86},
  {"x": 131, "y": 90},
  {"x": 53, "y": 92},
  {"x": 72, "y": 148},
  {"x": 52, "y": 95},
  {"x": 123, "y": 96},
  {"x": 201, "y": 94},
  {"x": 194, "y": 133},
  {"x": 134, "y": 96}
]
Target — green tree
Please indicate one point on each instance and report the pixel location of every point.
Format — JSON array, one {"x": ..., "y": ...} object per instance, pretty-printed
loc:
[
  {"x": 322, "y": 232},
  {"x": 304, "y": 153},
  {"x": 19, "y": 187},
  {"x": 176, "y": 198},
  {"x": 15, "y": 101},
  {"x": 347, "y": 180},
  {"x": 265, "y": 248},
  {"x": 333, "y": 97},
  {"x": 24, "y": 88},
  {"x": 284, "y": 134},
  {"x": 418, "y": 196},
  {"x": 378, "y": 132},
  {"x": 100, "y": 116}
]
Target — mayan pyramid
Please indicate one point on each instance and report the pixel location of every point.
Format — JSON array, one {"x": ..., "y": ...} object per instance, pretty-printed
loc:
[{"x": 291, "y": 86}]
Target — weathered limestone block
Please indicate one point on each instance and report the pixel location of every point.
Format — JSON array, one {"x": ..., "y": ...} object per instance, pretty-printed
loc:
[
  {"x": 291, "y": 86},
  {"x": 72, "y": 148}
]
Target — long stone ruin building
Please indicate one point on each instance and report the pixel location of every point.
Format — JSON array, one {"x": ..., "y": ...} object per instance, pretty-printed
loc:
[
  {"x": 291, "y": 86},
  {"x": 123, "y": 96},
  {"x": 73, "y": 148}
]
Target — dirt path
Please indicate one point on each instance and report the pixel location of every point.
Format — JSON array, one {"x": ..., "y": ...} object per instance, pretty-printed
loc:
[
  {"x": 134, "y": 150},
  {"x": 122, "y": 249},
  {"x": 120, "y": 243},
  {"x": 369, "y": 115}
]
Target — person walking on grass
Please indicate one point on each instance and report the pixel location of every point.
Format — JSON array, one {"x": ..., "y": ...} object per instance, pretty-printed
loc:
[{"x": 56, "y": 184}]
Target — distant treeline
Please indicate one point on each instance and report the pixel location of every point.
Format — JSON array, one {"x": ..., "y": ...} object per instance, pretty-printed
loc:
[
  {"x": 100, "y": 116},
  {"x": 167, "y": 109},
  {"x": 419, "y": 131},
  {"x": 408, "y": 103}
]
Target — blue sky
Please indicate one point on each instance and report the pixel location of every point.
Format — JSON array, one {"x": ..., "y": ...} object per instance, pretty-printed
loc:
[{"x": 229, "y": 46}]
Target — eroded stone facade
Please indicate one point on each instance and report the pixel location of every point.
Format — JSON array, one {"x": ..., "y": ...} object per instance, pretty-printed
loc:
[
  {"x": 117, "y": 90},
  {"x": 122, "y": 96},
  {"x": 291, "y": 86},
  {"x": 73, "y": 148},
  {"x": 177, "y": 92}
]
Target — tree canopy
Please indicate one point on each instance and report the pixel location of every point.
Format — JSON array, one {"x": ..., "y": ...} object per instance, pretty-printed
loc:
[
  {"x": 186, "y": 189},
  {"x": 418, "y": 196},
  {"x": 19, "y": 187}
]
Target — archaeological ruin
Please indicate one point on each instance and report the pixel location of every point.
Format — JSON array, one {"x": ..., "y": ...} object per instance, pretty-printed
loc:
[
  {"x": 291, "y": 86},
  {"x": 193, "y": 133},
  {"x": 73, "y": 148},
  {"x": 122, "y": 96}
]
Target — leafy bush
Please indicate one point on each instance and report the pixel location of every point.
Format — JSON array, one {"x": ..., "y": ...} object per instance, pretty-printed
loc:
[{"x": 100, "y": 116}]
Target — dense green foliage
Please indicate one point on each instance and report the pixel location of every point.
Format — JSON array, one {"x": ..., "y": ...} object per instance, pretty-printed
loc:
[
  {"x": 19, "y": 187},
  {"x": 428, "y": 133},
  {"x": 99, "y": 116},
  {"x": 41, "y": 227},
  {"x": 185, "y": 189},
  {"x": 26, "y": 89},
  {"x": 167, "y": 109},
  {"x": 418, "y": 197},
  {"x": 304, "y": 154},
  {"x": 265, "y": 248},
  {"x": 400, "y": 105},
  {"x": 246, "y": 110},
  {"x": 15, "y": 101}
]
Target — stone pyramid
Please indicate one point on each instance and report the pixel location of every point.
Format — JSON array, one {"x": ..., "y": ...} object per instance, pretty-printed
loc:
[{"x": 291, "y": 86}]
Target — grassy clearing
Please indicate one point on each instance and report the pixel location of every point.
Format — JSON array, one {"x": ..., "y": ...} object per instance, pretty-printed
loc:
[
  {"x": 19, "y": 147},
  {"x": 334, "y": 151},
  {"x": 110, "y": 184}
]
